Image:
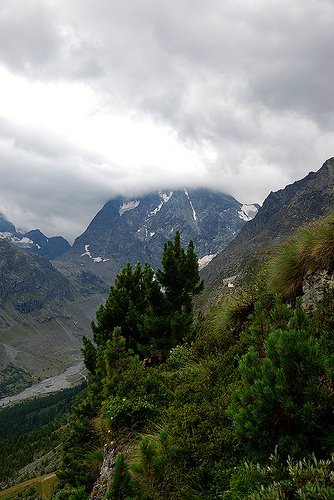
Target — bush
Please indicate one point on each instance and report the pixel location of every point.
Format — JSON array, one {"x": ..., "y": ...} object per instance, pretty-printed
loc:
[
  {"x": 284, "y": 398},
  {"x": 127, "y": 413},
  {"x": 305, "y": 479}
]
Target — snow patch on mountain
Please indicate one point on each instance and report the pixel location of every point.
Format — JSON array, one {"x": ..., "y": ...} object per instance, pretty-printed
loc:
[
  {"x": 191, "y": 205},
  {"x": 165, "y": 197},
  {"x": 129, "y": 205},
  {"x": 94, "y": 259},
  {"x": 247, "y": 212},
  {"x": 22, "y": 242},
  {"x": 204, "y": 261},
  {"x": 156, "y": 210}
]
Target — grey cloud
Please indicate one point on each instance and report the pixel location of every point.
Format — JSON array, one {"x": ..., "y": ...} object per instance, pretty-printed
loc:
[
  {"x": 28, "y": 35},
  {"x": 252, "y": 80}
]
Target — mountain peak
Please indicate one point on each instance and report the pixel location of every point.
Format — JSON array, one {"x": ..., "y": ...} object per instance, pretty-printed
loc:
[{"x": 132, "y": 229}]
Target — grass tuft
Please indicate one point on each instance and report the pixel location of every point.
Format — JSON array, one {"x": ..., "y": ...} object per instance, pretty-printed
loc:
[{"x": 309, "y": 251}]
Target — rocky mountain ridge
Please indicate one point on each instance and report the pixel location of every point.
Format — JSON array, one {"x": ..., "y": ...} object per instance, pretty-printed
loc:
[{"x": 281, "y": 214}]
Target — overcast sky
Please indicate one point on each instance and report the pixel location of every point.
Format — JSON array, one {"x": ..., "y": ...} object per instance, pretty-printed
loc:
[{"x": 106, "y": 97}]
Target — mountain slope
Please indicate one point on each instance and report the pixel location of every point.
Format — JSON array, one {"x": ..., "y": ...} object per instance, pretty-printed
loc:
[
  {"x": 50, "y": 248},
  {"x": 42, "y": 318},
  {"x": 132, "y": 230},
  {"x": 282, "y": 212}
]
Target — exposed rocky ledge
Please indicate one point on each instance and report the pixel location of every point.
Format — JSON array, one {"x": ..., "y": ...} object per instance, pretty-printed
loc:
[{"x": 314, "y": 286}]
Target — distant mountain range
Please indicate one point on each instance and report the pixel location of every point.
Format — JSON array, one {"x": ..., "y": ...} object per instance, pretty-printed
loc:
[
  {"x": 131, "y": 230},
  {"x": 46, "y": 307},
  {"x": 34, "y": 241}
]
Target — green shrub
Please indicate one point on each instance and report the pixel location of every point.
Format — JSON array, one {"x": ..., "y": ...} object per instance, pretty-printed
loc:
[
  {"x": 286, "y": 271},
  {"x": 284, "y": 398},
  {"x": 127, "y": 413},
  {"x": 121, "y": 484},
  {"x": 304, "y": 480},
  {"x": 179, "y": 355}
]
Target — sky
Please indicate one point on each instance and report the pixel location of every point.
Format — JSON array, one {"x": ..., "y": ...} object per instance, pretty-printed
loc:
[{"x": 106, "y": 97}]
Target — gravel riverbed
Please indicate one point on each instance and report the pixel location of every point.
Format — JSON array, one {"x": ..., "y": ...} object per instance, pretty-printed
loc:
[{"x": 69, "y": 378}]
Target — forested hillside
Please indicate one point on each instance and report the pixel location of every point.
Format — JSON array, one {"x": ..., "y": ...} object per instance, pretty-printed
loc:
[
  {"x": 237, "y": 404},
  {"x": 31, "y": 436}
]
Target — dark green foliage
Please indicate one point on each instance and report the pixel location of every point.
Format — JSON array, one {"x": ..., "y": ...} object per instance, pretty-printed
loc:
[
  {"x": 69, "y": 493},
  {"x": 31, "y": 429},
  {"x": 18, "y": 451},
  {"x": 305, "y": 479},
  {"x": 82, "y": 448},
  {"x": 153, "y": 311},
  {"x": 284, "y": 398},
  {"x": 180, "y": 280},
  {"x": 14, "y": 380},
  {"x": 30, "y": 415},
  {"x": 150, "y": 312},
  {"x": 179, "y": 275},
  {"x": 121, "y": 485},
  {"x": 90, "y": 354},
  {"x": 134, "y": 304}
]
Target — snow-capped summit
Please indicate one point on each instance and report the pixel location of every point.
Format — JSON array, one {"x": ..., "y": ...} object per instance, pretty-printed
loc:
[{"x": 135, "y": 229}]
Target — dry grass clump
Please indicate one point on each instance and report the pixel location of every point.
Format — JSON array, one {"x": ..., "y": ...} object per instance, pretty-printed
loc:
[{"x": 310, "y": 250}]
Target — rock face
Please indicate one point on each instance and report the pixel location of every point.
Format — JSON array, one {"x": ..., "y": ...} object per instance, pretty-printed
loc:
[
  {"x": 314, "y": 286},
  {"x": 23, "y": 276},
  {"x": 103, "y": 482},
  {"x": 132, "y": 230},
  {"x": 5, "y": 225},
  {"x": 281, "y": 214}
]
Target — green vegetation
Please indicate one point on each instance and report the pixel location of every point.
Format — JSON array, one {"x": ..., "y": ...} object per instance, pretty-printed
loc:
[
  {"x": 239, "y": 404},
  {"x": 31, "y": 430},
  {"x": 14, "y": 380},
  {"x": 310, "y": 250},
  {"x": 33, "y": 489}
]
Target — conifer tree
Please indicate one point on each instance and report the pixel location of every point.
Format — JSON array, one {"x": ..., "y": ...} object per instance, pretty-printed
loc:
[
  {"x": 180, "y": 280},
  {"x": 152, "y": 311},
  {"x": 120, "y": 488},
  {"x": 284, "y": 399}
]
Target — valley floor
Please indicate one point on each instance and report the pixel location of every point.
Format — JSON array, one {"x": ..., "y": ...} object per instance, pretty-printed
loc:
[{"x": 69, "y": 378}]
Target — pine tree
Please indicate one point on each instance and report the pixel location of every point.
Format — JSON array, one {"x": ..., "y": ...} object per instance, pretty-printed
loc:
[
  {"x": 151, "y": 311},
  {"x": 180, "y": 280},
  {"x": 127, "y": 302},
  {"x": 120, "y": 488},
  {"x": 179, "y": 275},
  {"x": 284, "y": 399}
]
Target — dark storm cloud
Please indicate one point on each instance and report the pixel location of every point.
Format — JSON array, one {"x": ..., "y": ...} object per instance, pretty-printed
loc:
[{"x": 251, "y": 80}]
